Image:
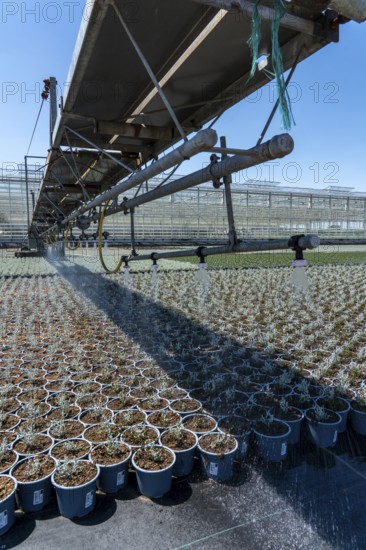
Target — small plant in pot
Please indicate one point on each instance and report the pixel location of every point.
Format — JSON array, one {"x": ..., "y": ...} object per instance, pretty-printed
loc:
[
  {"x": 70, "y": 449},
  {"x": 152, "y": 404},
  {"x": 101, "y": 433},
  {"x": 217, "y": 452},
  {"x": 240, "y": 428},
  {"x": 186, "y": 406},
  {"x": 139, "y": 436},
  {"x": 183, "y": 442},
  {"x": 7, "y": 502},
  {"x": 292, "y": 416},
  {"x": 301, "y": 401},
  {"x": 113, "y": 460},
  {"x": 65, "y": 429},
  {"x": 122, "y": 403},
  {"x": 31, "y": 442},
  {"x": 173, "y": 393},
  {"x": 338, "y": 404},
  {"x": 143, "y": 392},
  {"x": 8, "y": 457},
  {"x": 95, "y": 416},
  {"x": 271, "y": 437},
  {"x": 199, "y": 423},
  {"x": 322, "y": 426},
  {"x": 154, "y": 468},
  {"x": 75, "y": 483},
  {"x": 164, "y": 419},
  {"x": 33, "y": 475},
  {"x": 358, "y": 412},
  {"x": 128, "y": 418}
]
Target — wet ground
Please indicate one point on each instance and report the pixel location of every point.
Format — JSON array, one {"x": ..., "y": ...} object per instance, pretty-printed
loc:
[{"x": 313, "y": 500}]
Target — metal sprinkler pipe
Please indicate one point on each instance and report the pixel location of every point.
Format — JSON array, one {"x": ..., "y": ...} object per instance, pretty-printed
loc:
[
  {"x": 304, "y": 242},
  {"x": 277, "y": 147}
]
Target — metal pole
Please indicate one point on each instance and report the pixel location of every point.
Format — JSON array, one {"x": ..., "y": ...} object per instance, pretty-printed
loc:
[
  {"x": 53, "y": 106},
  {"x": 27, "y": 197},
  {"x": 305, "y": 242},
  {"x": 228, "y": 198},
  {"x": 33, "y": 201},
  {"x": 132, "y": 215}
]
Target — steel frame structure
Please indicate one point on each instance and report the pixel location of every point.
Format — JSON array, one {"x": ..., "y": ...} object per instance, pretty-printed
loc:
[{"x": 125, "y": 138}]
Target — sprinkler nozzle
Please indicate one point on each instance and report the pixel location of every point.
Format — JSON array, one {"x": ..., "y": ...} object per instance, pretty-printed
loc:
[
  {"x": 300, "y": 263},
  {"x": 200, "y": 255}
]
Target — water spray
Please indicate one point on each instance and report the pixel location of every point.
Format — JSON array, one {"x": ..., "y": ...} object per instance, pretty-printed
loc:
[
  {"x": 154, "y": 274},
  {"x": 202, "y": 269},
  {"x": 127, "y": 270},
  {"x": 299, "y": 243}
]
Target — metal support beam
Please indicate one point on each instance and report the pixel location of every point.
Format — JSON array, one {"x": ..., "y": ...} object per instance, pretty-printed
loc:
[
  {"x": 83, "y": 138},
  {"x": 134, "y": 131},
  {"x": 53, "y": 105},
  {"x": 27, "y": 196},
  {"x": 54, "y": 205},
  {"x": 267, "y": 13},
  {"x": 132, "y": 219},
  {"x": 228, "y": 199},
  {"x": 150, "y": 72},
  {"x": 77, "y": 178}
]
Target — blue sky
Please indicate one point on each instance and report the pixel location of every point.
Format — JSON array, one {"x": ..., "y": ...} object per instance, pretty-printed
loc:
[{"x": 328, "y": 90}]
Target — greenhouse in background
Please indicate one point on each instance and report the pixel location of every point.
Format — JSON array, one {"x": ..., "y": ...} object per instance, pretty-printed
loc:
[{"x": 262, "y": 209}]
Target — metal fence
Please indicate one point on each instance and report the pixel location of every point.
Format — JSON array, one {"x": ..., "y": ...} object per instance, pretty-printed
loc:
[{"x": 13, "y": 200}]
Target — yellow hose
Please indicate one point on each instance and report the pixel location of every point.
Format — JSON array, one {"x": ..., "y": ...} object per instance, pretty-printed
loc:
[
  {"x": 100, "y": 243},
  {"x": 67, "y": 244}
]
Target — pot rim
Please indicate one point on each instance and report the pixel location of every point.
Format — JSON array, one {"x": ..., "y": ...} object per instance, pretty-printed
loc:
[
  {"x": 179, "y": 450},
  {"x": 324, "y": 423},
  {"x": 347, "y": 402},
  {"x": 274, "y": 436},
  {"x": 14, "y": 464},
  {"x": 58, "y": 442},
  {"x": 116, "y": 463},
  {"x": 75, "y": 487},
  {"x": 138, "y": 468},
  {"x": 28, "y": 483},
  {"x": 201, "y": 449}
]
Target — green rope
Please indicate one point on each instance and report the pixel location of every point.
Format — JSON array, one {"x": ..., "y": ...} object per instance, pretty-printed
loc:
[
  {"x": 283, "y": 97},
  {"x": 255, "y": 38},
  {"x": 287, "y": 118}
]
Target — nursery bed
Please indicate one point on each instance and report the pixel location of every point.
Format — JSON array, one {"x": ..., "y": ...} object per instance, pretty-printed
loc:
[{"x": 313, "y": 499}]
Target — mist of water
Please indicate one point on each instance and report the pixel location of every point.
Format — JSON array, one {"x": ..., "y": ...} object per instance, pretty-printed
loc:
[{"x": 300, "y": 279}]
